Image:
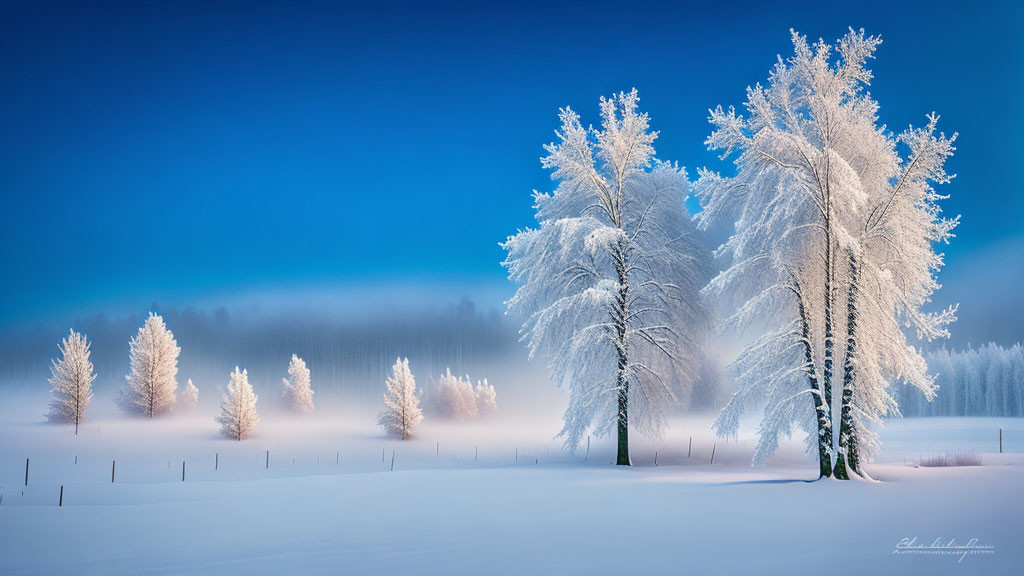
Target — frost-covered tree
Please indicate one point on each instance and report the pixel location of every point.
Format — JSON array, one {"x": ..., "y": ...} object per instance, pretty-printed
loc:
[
  {"x": 298, "y": 393},
  {"x": 609, "y": 282},
  {"x": 189, "y": 397},
  {"x": 1013, "y": 384},
  {"x": 779, "y": 282},
  {"x": 941, "y": 364},
  {"x": 151, "y": 385},
  {"x": 819, "y": 187},
  {"x": 486, "y": 398},
  {"x": 238, "y": 417},
  {"x": 402, "y": 411},
  {"x": 71, "y": 380},
  {"x": 892, "y": 267},
  {"x": 998, "y": 371},
  {"x": 983, "y": 381},
  {"x": 454, "y": 398}
]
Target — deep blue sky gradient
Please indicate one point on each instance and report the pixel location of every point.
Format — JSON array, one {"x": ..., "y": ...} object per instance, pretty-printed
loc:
[{"x": 167, "y": 151}]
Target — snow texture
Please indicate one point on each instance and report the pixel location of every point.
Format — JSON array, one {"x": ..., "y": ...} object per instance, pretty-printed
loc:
[{"x": 446, "y": 512}]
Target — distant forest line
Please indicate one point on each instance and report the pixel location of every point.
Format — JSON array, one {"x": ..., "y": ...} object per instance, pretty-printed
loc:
[
  {"x": 984, "y": 381},
  {"x": 353, "y": 355}
]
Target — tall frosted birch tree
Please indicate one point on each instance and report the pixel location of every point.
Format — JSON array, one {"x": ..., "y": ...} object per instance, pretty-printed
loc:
[
  {"x": 813, "y": 170},
  {"x": 609, "y": 281}
]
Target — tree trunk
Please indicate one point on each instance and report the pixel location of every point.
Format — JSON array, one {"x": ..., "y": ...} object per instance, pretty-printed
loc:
[
  {"x": 149, "y": 384},
  {"x": 622, "y": 459},
  {"x": 848, "y": 456},
  {"x": 826, "y": 371},
  {"x": 620, "y": 314},
  {"x": 822, "y": 409}
]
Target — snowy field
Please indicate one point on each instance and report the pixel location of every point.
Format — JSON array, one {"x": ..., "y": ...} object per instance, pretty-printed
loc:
[{"x": 491, "y": 497}]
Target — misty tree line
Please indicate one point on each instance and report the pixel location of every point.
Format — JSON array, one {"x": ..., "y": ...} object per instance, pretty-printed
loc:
[
  {"x": 984, "y": 381},
  {"x": 151, "y": 388},
  {"x": 452, "y": 398},
  {"x": 348, "y": 355}
]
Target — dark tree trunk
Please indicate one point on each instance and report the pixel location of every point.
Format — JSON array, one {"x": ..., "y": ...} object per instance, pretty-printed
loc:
[
  {"x": 620, "y": 314},
  {"x": 822, "y": 409},
  {"x": 826, "y": 371},
  {"x": 848, "y": 456},
  {"x": 622, "y": 458}
]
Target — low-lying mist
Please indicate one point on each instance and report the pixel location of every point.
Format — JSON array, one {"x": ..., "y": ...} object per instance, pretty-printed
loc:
[{"x": 349, "y": 356}]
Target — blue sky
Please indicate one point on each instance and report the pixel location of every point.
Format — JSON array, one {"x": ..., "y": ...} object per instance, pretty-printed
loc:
[{"x": 184, "y": 153}]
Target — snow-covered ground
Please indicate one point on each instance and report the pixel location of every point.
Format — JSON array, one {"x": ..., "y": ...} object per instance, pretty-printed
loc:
[{"x": 495, "y": 496}]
